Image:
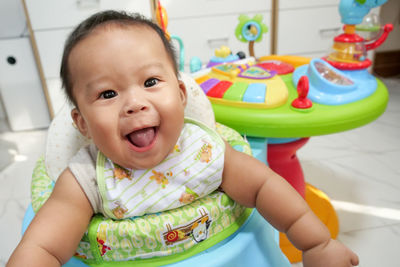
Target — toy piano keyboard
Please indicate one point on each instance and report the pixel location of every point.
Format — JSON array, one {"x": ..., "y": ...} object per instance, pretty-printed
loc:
[{"x": 247, "y": 85}]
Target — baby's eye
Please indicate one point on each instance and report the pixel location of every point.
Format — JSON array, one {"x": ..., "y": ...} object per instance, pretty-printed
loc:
[
  {"x": 108, "y": 94},
  {"x": 151, "y": 82}
]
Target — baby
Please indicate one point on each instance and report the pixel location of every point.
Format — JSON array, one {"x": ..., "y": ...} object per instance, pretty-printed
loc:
[{"x": 120, "y": 73}]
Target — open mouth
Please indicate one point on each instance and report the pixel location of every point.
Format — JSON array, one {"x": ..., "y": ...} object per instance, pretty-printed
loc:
[{"x": 143, "y": 138}]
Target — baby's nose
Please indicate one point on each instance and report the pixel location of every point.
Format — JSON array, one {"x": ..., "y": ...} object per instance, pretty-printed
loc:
[{"x": 135, "y": 105}]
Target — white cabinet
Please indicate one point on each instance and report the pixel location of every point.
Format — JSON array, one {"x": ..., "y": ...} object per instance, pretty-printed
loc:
[
  {"x": 22, "y": 100},
  {"x": 205, "y": 25},
  {"x": 50, "y": 46},
  {"x": 52, "y": 21},
  {"x": 50, "y": 14},
  {"x": 306, "y": 28},
  {"x": 294, "y": 4},
  {"x": 12, "y": 19},
  {"x": 20, "y": 86},
  {"x": 12, "y": 25}
]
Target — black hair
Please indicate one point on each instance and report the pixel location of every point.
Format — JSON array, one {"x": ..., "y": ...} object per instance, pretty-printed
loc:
[{"x": 86, "y": 27}]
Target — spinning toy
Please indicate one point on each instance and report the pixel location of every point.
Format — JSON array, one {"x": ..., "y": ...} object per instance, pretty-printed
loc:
[{"x": 250, "y": 30}]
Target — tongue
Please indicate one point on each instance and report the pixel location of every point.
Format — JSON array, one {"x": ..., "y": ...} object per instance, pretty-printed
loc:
[{"x": 143, "y": 137}]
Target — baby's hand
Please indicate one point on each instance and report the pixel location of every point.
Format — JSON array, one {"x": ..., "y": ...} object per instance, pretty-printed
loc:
[{"x": 333, "y": 253}]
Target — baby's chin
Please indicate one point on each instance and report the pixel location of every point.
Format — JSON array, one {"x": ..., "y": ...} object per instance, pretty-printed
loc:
[
  {"x": 144, "y": 163},
  {"x": 144, "y": 166}
]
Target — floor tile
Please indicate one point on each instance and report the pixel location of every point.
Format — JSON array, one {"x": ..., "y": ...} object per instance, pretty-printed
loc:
[
  {"x": 375, "y": 247},
  {"x": 11, "y": 215}
]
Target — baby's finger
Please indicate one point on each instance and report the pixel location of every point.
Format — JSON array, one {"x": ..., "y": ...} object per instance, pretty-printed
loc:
[{"x": 354, "y": 259}]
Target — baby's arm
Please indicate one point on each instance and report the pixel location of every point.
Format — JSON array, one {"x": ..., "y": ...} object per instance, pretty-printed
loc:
[
  {"x": 54, "y": 234},
  {"x": 251, "y": 183}
]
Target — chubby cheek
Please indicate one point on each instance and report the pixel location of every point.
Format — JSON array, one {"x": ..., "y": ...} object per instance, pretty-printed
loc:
[
  {"x": 174, "y": 125},
  {"x": 104, "y": 130}
]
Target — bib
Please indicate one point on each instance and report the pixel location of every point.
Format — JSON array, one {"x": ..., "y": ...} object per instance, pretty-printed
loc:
[{"x": 191, "y": 171}]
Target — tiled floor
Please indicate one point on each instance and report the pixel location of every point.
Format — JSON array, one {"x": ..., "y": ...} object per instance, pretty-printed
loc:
[
  {"x": 26, "y": 147},
  {"x": 358, "y": 169}
]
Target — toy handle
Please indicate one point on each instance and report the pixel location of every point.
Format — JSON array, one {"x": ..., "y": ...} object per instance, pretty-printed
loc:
[
  {"x": 87, "y": 3},
  {"x": 303, "y": 87},
  {"x": 386, "y": 30},
  {"x": 181, "y": 52}
]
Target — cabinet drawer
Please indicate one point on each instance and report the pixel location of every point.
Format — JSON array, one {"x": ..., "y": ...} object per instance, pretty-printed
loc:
[
  {"x": 20, "y": 87},
  {"x": 51, "y": 45},
  {"x": 189, "y": 9},
  {"x": 307, "y": 30},
  {"x": 201, "y": 36},
  {"x": 291, "y": 4},
  {"x": 51, "y": 14},
  {"x": 12, "y": 19}
]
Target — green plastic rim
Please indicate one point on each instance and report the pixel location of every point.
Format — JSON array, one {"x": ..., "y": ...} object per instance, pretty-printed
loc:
[{"x": 284, "y": 122}]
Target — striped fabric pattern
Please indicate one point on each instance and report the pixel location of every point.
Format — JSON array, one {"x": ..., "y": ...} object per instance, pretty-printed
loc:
[{"x": 191, "y": 171}]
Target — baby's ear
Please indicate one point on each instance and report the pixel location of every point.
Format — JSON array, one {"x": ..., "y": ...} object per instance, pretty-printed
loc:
[
  {"x": 80, "y": 122},
  {"x": 183, "y": 92}
]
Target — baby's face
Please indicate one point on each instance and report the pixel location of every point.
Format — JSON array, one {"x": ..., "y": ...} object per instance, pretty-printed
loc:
[{"x": 130, "y": 101}]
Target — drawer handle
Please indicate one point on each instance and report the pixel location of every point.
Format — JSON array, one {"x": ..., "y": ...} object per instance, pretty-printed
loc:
[
  {"x": 219, "y": 39},
  {"x": 329, "y": 32},
  {"x": 87, "y": 3},
  {"x": 216, "y": 42}
]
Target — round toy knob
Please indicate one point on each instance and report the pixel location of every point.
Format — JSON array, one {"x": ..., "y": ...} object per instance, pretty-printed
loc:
[{"x": 241, "y": 54}]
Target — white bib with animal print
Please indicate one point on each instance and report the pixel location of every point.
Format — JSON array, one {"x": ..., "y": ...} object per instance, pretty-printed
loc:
[{"x": 192, "y": 170}]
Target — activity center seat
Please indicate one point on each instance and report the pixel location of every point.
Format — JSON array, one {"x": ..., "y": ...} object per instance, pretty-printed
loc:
[{"x": 212, "y": 231}]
